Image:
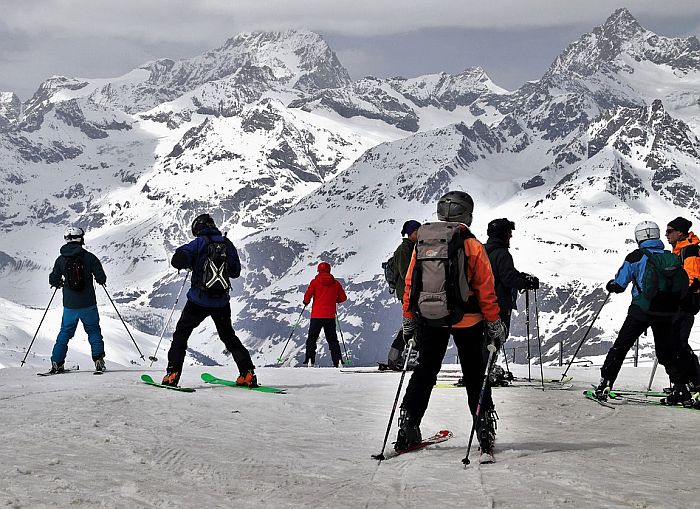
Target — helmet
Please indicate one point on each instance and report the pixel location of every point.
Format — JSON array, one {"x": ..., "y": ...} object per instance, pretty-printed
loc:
[
  {"x": 74, "y": 234},
  {"x": 499, "y": 227},
  {"x": 646, "y": 230},
  {"x": 456, "y": 206},
  {"x": 201, "y": 222},
  {"x": 324, "y": 267}
]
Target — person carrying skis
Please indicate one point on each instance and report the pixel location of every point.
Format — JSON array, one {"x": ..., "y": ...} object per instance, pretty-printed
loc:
[
  {"x": 213, "y": 260},
  {"x": 658, "y": 284},
  {"x": 326, "y": 292},
  {"x": 74, "y": 271},
  {"x": 686, "y": 245},
  {"x": 463, "y": 307},
  {"x": 401, "y": 260}
]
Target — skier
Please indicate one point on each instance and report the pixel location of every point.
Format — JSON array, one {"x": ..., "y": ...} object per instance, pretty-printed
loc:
[
  {"x": 650, "y": 307},
  {"x": 471, "y": 304},
  {"x": 326, "y": 292},
  {"x": 686, "y": 245},
  {"x": 213, "y": 260},
  {"x": 73, "y": 271},
  {"x": 401, "y": 259}
]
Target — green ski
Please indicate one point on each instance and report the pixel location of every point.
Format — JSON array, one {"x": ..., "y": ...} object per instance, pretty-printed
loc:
[
  {"x": 589, "y": 395},
  {"x": 211, "y": 379},
  {"x": 148, "y": 380}
]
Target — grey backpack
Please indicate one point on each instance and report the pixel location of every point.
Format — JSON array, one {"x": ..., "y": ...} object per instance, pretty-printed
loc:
[{"x": 439, "y": 288}]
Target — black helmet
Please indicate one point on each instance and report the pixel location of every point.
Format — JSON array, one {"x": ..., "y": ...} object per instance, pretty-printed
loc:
[
  {"x": 456, "y": 206},
  {"x": 500, "y": 227},
  {"x": 200, "y": 222}
]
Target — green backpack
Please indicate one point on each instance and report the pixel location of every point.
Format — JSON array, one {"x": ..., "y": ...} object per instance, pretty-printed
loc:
[{"x": 663, "y": 285}]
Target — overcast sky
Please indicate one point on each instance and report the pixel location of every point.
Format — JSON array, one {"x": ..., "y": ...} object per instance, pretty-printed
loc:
[{"x": 513, "y": 40}]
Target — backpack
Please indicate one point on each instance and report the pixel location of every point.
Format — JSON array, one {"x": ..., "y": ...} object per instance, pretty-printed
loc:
[
  {"x": 74, "y": 273},
  {"x": 663, "y": 284},
  {"x": 440, "y": 290},
  {"x": 390, "y": 274},
  {"x": 215, "y": 275}
]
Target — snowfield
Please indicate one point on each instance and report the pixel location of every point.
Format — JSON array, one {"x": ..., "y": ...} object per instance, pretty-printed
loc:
[{"x": 79, "y": 440}]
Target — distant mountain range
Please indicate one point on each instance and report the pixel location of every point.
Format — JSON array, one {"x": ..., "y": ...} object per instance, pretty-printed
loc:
[{"x": 300, "y": 164}]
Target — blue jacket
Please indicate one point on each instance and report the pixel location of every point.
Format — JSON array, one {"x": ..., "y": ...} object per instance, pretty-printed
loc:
[
  {"x": 86, "y": 297},
  {"x": 192, "y": 255},
  {"x": 635, "y": 264}
]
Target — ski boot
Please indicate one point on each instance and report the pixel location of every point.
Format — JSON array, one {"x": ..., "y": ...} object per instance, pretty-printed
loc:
[
  {"x": 171, "y": 378},
  {"x": 409, "y": 432},
  {"x": 603, "y": 389},
  {"x": 679, "y": 395},
  {"x": 56, "y": 368},
  {"x": 486, "y": 434},
  {"x": 100, "y": 364},
  {"x": 249, "y": 379}
]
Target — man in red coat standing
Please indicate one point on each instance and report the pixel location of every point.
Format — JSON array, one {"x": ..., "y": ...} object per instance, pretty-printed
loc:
[{"x": 326, "y": 292}]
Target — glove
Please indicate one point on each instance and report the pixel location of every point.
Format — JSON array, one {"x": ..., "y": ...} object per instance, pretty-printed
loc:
[
  {"x": 409, "y": 330},
  {"x": 694, "y": 286},
  {"x": 496, "y": 333},
  {"x": 613, "y": 287},
  {"x": 532, "y": 282}
]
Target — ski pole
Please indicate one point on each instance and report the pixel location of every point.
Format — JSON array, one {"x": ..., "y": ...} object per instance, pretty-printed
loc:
[
  {"x": 347, "y": 357},
  {"x": 39, "y": 327},
  {"x": 492, "y": 359},
  {"x": 279, "y": 359},
  {"x": 380, "y": 456},
  {"x": 527, "y": 329},
  {"x": 153, "y": 357},
  {"x": 120, "y": 317},
  {"x": 539, "y": 340},
  {"x": 584, "y": 337},
  {"x": 653, "y": 372}
]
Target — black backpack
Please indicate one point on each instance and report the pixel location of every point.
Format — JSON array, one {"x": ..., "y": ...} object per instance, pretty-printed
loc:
[
  {"x": 215, "y": 274},
  {"x": 390, "y": 274},
  {"x": 440, "y": 290},
  {"x": 74, "y": 273}
]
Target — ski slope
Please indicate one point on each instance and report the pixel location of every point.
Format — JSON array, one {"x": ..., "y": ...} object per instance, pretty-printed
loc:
[{"x": 80, "y": 440}]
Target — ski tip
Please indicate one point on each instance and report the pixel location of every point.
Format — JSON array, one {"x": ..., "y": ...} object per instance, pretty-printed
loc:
[{"x": 147, "y": 378}]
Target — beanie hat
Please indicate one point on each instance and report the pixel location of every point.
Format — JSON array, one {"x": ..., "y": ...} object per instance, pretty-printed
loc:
[
  {"x": 681, "y": 224},
  {"x": 324, "y": 267},
  {"x": 409, "y": 227}
]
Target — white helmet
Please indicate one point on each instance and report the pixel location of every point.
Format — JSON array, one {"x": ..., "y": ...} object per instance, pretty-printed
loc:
[
  {"x": 646, "y": 230},
  {"x": 74, "y": 234}
]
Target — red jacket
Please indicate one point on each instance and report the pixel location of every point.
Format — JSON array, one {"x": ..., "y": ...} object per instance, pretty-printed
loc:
[{"x": 326, "y": 292}]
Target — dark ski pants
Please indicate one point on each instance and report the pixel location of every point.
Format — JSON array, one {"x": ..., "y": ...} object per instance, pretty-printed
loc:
[
  {"x": 396, "y": 351},
  {"x": 685, "y": 358},
  {"x": 635, "y": 324},
  {"x": 432, "y": 346},
  {"x": 194, "y": 314},
  {"x": 328, "y": 326}
]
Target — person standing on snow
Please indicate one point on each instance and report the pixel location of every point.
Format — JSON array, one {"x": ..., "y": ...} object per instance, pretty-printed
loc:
[
  {"x": 326, "y": 293},
  {"x": 655, "y": 303},
  {"x": 470, "y": 298},
  {"x": 401, "y": 259},
  {"x": 73, "y": 271},
  {"x": 686, "y": 245},
  {"x": 213, "y": 260}
]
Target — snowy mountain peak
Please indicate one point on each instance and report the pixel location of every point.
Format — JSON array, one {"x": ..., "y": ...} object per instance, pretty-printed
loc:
[{"x": 10, "y": 108}]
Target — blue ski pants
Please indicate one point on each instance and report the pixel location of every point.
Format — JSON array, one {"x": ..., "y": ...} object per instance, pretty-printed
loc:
[{"x": 69, "y": 323}]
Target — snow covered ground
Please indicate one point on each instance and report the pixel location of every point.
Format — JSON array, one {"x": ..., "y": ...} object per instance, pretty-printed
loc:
[{"x": 80, "y": 440}]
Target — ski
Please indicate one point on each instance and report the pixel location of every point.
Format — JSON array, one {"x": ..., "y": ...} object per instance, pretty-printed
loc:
[
  {"x": 52, "y": 374},
  {"x": 590, "y": 395},
  {"x": 148, "y": 380},
  {"x": 632, "y": 399},
  {"x": 437, "y": 438},
  {"x": 211, "y": 379}
]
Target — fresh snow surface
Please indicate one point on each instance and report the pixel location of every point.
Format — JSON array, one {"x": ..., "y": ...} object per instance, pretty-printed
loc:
[{"x": 80, "y": 440}]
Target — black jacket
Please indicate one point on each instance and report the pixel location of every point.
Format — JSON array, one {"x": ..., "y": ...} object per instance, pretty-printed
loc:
[
  {"x": 402, "y": 259},
  {"x": 86, "y": 297},
  {"x": 507, "y": 279}
]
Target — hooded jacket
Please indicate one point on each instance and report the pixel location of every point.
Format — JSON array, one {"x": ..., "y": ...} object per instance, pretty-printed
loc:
[
  {"x": 481, "y": 285},
  {"x": 326, "y": 292},
  {"x": 192, "y": 256},
  {"x": 508, "y": 280},
  {"x": 689, "y": 251},
  {"x": 84, "y": 298},
  {"x": 634, "y": 266},
  {"x": 402, "y": 259}
]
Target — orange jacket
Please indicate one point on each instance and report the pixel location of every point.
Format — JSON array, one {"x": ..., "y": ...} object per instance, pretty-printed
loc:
[
  {"x": 481, "y": 284},
  {"x": 691, "y": 264}
]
